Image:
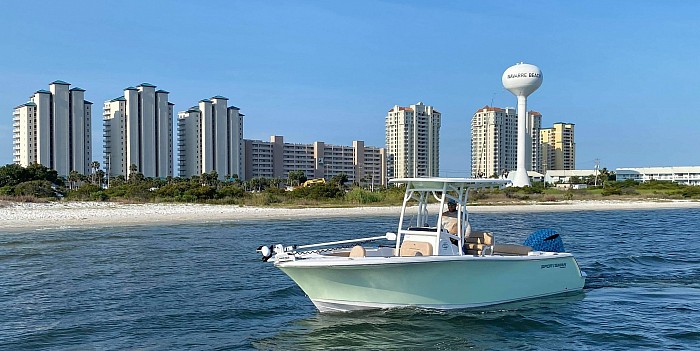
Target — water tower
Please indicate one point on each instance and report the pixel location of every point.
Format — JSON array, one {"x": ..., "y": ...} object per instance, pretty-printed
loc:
[{"x": 522, "y": 79}]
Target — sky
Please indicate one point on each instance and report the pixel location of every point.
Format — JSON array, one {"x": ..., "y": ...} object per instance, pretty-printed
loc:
[{"x": 624, "y": 72}]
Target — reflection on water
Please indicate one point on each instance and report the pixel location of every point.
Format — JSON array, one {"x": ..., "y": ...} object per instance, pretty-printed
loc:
[{"x": 411, "y": 328}]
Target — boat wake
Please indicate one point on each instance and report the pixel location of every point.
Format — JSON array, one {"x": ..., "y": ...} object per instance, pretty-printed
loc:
[{"x": 643, "y": 270}]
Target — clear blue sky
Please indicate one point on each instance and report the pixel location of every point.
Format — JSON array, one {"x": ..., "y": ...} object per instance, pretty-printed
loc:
[{"x": 625, "y": 72}]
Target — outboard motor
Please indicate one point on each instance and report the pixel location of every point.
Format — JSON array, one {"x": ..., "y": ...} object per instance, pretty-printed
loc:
[{"x": 545, "y": 240}]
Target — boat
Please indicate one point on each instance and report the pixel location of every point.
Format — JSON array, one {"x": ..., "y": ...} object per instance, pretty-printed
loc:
[{"x": 423, "y": 265}]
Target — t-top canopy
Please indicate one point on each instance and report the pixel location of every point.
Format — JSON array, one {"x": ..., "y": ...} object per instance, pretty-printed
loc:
[{"x": 438, "y": 183}]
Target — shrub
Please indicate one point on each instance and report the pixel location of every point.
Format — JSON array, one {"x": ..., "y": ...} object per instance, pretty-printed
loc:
[
  {"x": 84, "y": 192},
  {"x": 569, "y": 195},
  {"x": 99, "y": 196},
  {"x": 361, "y": 196},
  {"x": 475, "y": 195},
  {"x": 611, "y": 191},
  {"x": 202, "y": 192},
  {"x": 38, "y": 188},
  {"x": 536, "y": 188},
  {"x": 230, "y": 191},
  {"x": 7, "y": 190},
  {"x": 691, "y": 191},
  {"x": 318, "y": 192},
  {"x": 173, "y": 191}
]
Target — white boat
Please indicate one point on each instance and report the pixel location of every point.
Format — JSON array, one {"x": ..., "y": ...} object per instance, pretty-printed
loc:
[{"x": 426, "y": 266}]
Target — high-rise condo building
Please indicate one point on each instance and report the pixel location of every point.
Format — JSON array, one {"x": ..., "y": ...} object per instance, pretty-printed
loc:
[
  {"x": 494, "y": 140},
  {"x": 53, "y": 129},
  {"x": 138, "y": 133},
  {"x": 413, "y": 141},
  {"x": 275, "y": 159},
  {"x": 533, "y": 146},
  {"x": 558, "y": 147},
  {"x": 210, "y": 138}
]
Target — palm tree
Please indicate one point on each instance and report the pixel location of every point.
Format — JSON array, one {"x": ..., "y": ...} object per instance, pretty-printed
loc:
[
  {"x": 275, "y": 182},
  {"x": 73, "y": 178},
  {"x": 236, "y": 179},
  {"x": 100, "y": 177},
  {"x": 340, "y": 179},
  {"x": 296, "y": 178},
  {"x": 213, "y": 178},
  {"x": 94, "y": 165},
  {"x": 134, "y": 175}
]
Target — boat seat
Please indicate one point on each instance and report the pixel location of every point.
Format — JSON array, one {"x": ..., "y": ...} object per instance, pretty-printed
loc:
[
  {"x": 358, "y": 251},
  {"x": 511, "y": 249},
  {"x": 476, "y": 241},
  {"x": 415, "y": 248}
]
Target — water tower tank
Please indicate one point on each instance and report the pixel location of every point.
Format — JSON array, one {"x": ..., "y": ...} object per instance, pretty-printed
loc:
[{"x": 522, "y": 79}]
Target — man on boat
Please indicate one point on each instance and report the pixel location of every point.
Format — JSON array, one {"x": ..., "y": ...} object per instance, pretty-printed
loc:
[{"x": 449, "y": 217}]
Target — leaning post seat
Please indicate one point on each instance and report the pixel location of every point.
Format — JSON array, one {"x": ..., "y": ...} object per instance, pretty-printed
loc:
[
  {"x": 415, "y": 248},
  {"x": 477, "y": 240},
  {"x": 511, "y": 249}
]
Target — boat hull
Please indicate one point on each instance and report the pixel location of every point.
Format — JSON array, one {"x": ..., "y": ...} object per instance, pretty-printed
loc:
[{"x": 432, "y": 282}]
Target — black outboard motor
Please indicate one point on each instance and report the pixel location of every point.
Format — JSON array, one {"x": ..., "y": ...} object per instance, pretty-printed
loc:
[{"x": 545, "y": 240}]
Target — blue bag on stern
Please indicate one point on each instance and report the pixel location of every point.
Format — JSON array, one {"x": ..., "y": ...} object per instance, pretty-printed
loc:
[{"x": 545, "y": 240}]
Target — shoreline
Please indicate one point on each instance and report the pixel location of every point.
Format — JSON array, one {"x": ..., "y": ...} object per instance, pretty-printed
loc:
[{"x": 16, "y": 216}]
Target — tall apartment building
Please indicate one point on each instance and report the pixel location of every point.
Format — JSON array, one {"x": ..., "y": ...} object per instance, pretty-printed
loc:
[
  {"x": 138, "y": 132},
  {"x": 558, "y": 147},
  {"x": 413, "y": 141},
  {"x": 494, "y": 141},
  {"x": 210, "y": 138},
  {"x": 275, "y": 159},
  {"x": 53, "y": 129},
  {"x": 534, "y": 147}
]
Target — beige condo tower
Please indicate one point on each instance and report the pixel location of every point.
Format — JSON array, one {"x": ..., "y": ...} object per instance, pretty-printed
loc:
[
  {"x": 53, "y": 129},
  {"x": 210, "y": 138},
  {"x": 413, "y": 141},
  {"x": 138, "y": 133}
]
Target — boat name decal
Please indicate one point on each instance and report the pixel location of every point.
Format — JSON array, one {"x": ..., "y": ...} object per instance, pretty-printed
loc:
[{"x": 553, "y": 265}]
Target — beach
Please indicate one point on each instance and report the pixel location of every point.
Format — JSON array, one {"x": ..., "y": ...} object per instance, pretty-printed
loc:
[{"x": 29, "y": 216}]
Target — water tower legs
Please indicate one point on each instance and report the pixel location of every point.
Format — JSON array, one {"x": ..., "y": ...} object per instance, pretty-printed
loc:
[{"x": 521, "y": 178}]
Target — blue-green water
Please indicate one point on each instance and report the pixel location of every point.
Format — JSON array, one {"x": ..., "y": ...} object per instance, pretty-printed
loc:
[{"x": 204, "y": 287}]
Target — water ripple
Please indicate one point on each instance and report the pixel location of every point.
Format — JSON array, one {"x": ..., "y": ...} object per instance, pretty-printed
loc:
[{"x": 203, "y": 287}]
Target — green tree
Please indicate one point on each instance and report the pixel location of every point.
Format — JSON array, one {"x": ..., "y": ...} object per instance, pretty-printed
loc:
[
  {"x": 38, "y": 188},
  {"x": 117, "y": 180},
  {"x": 134, "y": 175},
  {"x": 41, "y": 172},
  {"x": 100, "y": 174},
  {"x": 259, "y": 183},
  {"x": 297, "y": 177},
  {"x": 230, "y": 191},
  {"x": 235, "y": 179},
  {"x": 575, "y": 180},
  {"x": 340, "y": 179},
  {"x": 211, "y": 178},
  {"x": 275, "y": 182},
  {"x": 13, "y": 174},
  {"x": 94, "y": 166},
  {"x": 73, "y": 178}
]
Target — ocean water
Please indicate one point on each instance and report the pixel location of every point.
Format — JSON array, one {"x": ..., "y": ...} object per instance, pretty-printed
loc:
[{"x": 203, "y": 287}]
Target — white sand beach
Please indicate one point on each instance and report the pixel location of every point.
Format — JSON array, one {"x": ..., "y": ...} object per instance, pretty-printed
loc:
[{"x": 29, "y": 216}]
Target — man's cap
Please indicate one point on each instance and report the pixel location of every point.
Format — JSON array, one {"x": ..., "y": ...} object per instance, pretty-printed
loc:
[{"x": 451, "y": 202}]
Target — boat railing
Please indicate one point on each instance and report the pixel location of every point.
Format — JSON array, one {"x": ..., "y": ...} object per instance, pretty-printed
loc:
[{"x": 290, "y": 251}]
